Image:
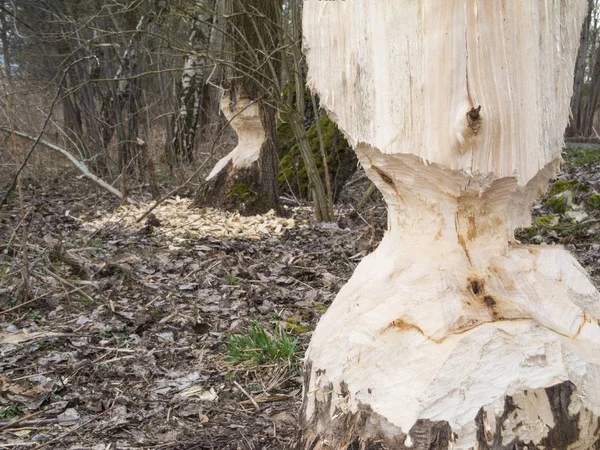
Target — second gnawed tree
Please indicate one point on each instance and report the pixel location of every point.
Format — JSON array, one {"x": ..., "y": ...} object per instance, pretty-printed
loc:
[{"x": 452, "y": 334}]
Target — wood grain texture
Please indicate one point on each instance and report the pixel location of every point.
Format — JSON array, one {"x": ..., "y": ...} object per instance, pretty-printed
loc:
[{"x": 451, "y": 334}]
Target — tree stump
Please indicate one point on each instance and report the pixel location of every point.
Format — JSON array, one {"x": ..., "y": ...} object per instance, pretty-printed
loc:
[{"x": 452, "y": 335}]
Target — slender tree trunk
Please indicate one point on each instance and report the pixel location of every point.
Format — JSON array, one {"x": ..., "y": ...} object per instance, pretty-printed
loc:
[
  {"x": 592, "y": 99},
  {"x": 594, "y": 84},
  {"x": 191, "y": 87},
  {"x": 87, "y": 97},
  {"x": 166, "y": 106},
  {"x": 321, "y": 205},
  {"x": 73, "y": 123},
  {"x": 5, "y": 44},
  {"x": 126, "y": 100},
  {"x": 451, "y": 335},
  {"x": 574, "y": 127},
  {"x": 322, "y": 199}
]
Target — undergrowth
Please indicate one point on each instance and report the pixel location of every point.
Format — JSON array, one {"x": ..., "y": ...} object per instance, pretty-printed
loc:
[{"x": 259, "y": 345}]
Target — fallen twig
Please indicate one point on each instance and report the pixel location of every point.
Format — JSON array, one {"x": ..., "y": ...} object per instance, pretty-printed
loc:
[
  {"x": 22, "y": 304},
  {"x": 5, "y": 425},
  {"x": 57, "y": 439},
  {"x": 79, "y": 290},
  {"x": 59, "y": 253},
  {"x": 45, "y": 124},
  {"x": 39, "y": 297},
  {"x": 270, "y": 398},
  {"x": 80, "y": 165},
  {"x": 247, "y": 395}
]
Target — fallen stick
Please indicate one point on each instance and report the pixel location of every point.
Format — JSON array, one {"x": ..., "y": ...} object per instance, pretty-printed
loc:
[
  {"x": 57, "y": 439},
  {"x": 247, "y": 395},
  {"x": 81, "y": 166},
  {"x": 79, "y": 290},
  {"x": 4, "y": 426}
]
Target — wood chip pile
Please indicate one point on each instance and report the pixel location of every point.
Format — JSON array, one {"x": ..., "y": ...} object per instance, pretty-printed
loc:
[{"x": 177, "y": 219}]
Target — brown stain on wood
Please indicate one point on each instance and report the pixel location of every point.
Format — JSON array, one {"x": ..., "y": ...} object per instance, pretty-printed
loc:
[
  {"x": 476, "y": 286},
  {"x": 492, "y": 306},
  {"x": 401, "y": 325},
  {"x": 385, "y": 177},
  {"x": 471, "y": 228}
]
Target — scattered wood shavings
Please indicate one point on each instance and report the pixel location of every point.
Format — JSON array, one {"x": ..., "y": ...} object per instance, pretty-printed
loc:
[{"x": 178, "y": 220}]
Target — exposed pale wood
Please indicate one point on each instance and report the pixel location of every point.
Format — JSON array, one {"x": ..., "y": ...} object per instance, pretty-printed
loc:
[
  {"x": 242, "y": 180},
  {"x": 244, "y": 118},
  {"x": 451, "y": 335}
]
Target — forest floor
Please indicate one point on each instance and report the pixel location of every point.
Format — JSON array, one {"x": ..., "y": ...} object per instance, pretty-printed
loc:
[{"x": 187, "y": 332}]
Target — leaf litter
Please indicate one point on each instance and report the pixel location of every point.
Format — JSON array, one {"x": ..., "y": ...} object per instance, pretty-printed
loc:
[
  {"x": 135, "y": 354},
  {"x": 124, "y": 341}
]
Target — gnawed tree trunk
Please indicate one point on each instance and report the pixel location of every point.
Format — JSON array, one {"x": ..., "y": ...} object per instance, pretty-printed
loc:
[
  {"x": 451, "y": 335},
  {"x": 244, "y": 180}
]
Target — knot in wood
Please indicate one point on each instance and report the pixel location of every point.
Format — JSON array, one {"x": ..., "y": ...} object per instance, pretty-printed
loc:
[{"x": 474, "y": 119}]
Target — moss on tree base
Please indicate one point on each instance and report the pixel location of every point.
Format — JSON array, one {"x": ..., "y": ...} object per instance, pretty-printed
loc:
[
  {"x": 235, "y": 190},
  {"x": 341, "y": 160}
]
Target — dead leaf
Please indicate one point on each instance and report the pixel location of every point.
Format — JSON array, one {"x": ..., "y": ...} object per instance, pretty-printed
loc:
[{"x": 24, "y": 336}]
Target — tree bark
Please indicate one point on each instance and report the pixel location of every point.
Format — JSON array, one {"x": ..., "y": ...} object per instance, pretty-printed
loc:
[
  {"x": 322, "y": 202},
  {"x": 246, "y": 179},
  {"x": 5, "y": 44},
  {"x": 575, "y": 126},
  {"x": 191, "y": 86},
  {"x": 451, "y": 335},
  {"x": 126, "y": 99}
]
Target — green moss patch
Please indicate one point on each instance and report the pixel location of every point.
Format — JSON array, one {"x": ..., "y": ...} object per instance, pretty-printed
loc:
[
  {"x": 593, "y": 201},
  {"x": 576, "y": 157},
  {"x": 560, "y": 203},
  {"x": 294, "y": 327},
  {"x": 562, "y": 186},
  {"x": 545, "y": 221},
  {"x": 292, "y": 169},
  {"x": 239, "y": 192},
  {"x": 243, "y": 198}
]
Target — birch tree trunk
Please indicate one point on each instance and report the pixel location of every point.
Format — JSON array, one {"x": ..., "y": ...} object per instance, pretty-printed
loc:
[
  {"x": 191, "y": 87},
  {"x": 6, "y": 50},
  {"x": 451, "y": 335}
]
